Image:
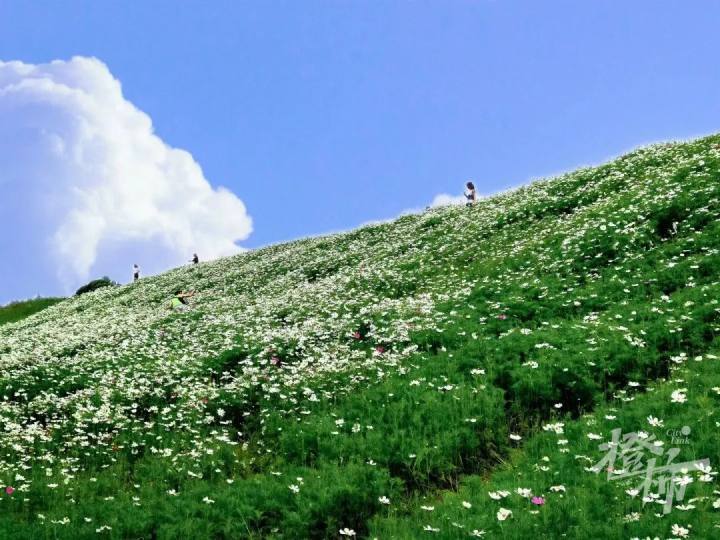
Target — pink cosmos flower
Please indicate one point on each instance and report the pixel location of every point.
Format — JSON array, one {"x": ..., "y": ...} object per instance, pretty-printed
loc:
[
  {"x": 502, "y": 316},
  {"x": 380, "y": 349},
  {"x": 356, "y": 335},
  {"x": 539, "y": 501},
  {"x": 9, "y": 490}
]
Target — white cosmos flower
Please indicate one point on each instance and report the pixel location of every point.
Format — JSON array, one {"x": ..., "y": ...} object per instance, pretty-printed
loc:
[
  {"x": 678, "y": 396},
  {"x": 683, "y": 480},
  {"x": 558, "y": 427}
]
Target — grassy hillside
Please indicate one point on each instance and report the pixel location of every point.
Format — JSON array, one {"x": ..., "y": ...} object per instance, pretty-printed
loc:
[
  {"x": 17, "y": 311},
  {"x": 427, "y": 377}
]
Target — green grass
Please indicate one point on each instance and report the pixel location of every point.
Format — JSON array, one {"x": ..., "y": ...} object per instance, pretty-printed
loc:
[
  {"x": 17, "y": 311},
  {"x": 375, "y": 381},
  {"x": 587, "y": 505}
]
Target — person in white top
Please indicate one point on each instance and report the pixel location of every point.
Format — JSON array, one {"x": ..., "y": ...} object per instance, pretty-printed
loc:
[
  {"x": 136, "y": 272},
  {"x": 470, "y": 194}
]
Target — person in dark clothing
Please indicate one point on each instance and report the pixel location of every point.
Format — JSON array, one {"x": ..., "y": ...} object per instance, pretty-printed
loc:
[{"x": 470, "y": 194}]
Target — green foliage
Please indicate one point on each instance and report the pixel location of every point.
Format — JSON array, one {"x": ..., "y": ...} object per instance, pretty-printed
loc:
[
  {"x": 96, "y": 284},
  {"x": 386, "y": 380},
  {"x": 16, "y": 311}
]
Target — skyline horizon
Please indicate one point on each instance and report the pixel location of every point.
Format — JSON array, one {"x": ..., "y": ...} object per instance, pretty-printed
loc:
[{"x": 409, "y": 211}]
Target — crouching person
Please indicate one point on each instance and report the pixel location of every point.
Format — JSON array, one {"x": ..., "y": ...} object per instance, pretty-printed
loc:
[{"x": 180, "y": 301}]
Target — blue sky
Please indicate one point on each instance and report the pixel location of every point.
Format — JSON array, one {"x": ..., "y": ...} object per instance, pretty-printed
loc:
[{"x": 322, "y": 115}]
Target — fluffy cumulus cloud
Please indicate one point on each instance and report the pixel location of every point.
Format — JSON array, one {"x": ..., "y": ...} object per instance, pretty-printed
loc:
[{"x": 87, "y": 188}]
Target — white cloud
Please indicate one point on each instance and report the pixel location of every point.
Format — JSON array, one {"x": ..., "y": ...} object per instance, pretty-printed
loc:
[
  {"x": 87, "y": 188},
  {"x": 443, "y": 199}
]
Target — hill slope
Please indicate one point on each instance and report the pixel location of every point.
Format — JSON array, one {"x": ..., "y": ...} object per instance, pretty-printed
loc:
[
  {"x": 333, "y": 386},
  {"x": 17, "y": 311}
]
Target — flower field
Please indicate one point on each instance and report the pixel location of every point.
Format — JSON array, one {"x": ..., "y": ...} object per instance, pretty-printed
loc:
[{"x": 451, "y": 374}]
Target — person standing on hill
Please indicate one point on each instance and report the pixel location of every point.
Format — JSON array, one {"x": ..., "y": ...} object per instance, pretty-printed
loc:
[
  {"x": 470, "y": 194},
  {"x": 195, "y": 259},
  {"x": 136, "y": 272}
]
